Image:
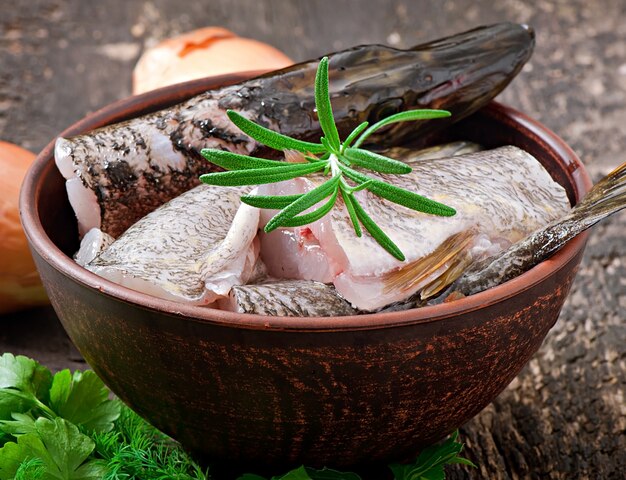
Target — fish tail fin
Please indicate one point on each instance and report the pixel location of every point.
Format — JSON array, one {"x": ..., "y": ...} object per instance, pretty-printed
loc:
[
  {"x": 435, "y": 271},
  {"x": 605, "y": 198}
]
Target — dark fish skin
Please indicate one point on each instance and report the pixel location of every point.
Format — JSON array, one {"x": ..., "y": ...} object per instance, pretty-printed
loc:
[
  {"x": 607, "y": 197},
  {"x": 129, "y": 169},
  {"x": 288, "y": 298}
]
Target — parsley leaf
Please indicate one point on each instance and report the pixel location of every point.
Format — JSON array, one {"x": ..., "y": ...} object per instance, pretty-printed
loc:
[
  {"x": 23, "y": 383},
  {"x": 63, "y": 451},
  {"x": 83, "y": 399},
  {"x": 430, "y": 462}
]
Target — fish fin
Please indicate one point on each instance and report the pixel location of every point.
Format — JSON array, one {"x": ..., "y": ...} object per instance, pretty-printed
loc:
[
  {"x": 294, "y": 156},
  {"x": 605, "y": 198},
  {"x": 427, "y": 270},
  {"x": 457, "y": 266}
]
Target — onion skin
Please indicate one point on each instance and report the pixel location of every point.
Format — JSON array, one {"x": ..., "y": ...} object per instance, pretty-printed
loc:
[
  {"x": 202, "y": 53},
  {"x": 20, "y": 286}
]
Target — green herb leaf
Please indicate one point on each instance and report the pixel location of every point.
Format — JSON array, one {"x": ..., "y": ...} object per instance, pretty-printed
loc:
[
  {"x": 355, "y": 133},
  {"x": 63, "y": 451},
  {"x": 331, "y": 154},
  {"x": 271, "y": 138},
  {"x": 376, "y": 162},
  {"x": 83, "y": 399},
  {"x": 273, "y": 202},
  {"x": 261, "y": 175},
  {"x": 137, "y": 450},
  {"x": 348, "y": 200},
  {"x": 430, "y": 462},
  {"x": 306, "y": 201},
  {"x": 25, "y": 374},
  {"x": 234, "y": 161},
  {"x": 407, "y": 116},
  {"x": 31, "y": 469},
  {"x": 399, "y": 195},
  {"x": 313, "y": 216},
  {"x": 323, "y": 106},
  {"x": 376, "y": 232},
  {"x": 21, "y": 424},
  {"x": 23, "y": 384}
]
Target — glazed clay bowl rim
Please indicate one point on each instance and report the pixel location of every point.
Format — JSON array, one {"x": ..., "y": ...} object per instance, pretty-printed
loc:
[{"x": 145, "y": 103}]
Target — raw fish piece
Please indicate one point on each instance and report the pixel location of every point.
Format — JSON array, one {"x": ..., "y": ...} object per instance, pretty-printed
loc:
[
  {"x": 192, "y": 249},
  {"x": 288, "y": 298},
  {"x": 296, "y": 253},
  {"x": 500, "y": 195}
]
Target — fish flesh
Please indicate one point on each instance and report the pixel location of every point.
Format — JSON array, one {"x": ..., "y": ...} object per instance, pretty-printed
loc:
[
  {"x": 193, "y": 249},
  {"x": 500, "y": 195},
  {"x": 607, "y": 197},
  {"x": 290, "y": 253},
  {"x": 287, "y": 298},
  {"x": 117, "y": 174},
  {"x": 92, "y": 244}
]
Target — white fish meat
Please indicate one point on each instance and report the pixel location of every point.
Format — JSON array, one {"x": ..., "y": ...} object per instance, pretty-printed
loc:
[
  {"x": 193, "y": 249},
  {"x": 500, "y": 196}
]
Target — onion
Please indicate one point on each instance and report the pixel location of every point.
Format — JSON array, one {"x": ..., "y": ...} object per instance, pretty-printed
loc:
[
  {"x": 20, "y": 286},
  {"x": 202, "y": 53}
]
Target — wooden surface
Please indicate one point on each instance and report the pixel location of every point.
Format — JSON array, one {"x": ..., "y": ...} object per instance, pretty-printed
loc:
[{"x": 564, "y": 417}]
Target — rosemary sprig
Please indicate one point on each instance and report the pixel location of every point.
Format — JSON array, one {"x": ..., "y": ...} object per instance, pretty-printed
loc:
[{"x": 330, "y": 157}]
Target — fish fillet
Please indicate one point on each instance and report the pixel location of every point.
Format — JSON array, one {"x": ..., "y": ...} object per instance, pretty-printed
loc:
[
  {"x": 193, "y": 249},
  {"x": 500, "y": 195}
]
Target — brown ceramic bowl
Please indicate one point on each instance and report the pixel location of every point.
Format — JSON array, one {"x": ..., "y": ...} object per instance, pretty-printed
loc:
[{"x": 284, "y": 391}]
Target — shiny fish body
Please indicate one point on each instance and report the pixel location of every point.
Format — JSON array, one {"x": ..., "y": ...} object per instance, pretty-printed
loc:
[
  {"x": 287, "y": 298},
  {"x": 500, "y": 195},
  {"x": 117, "y": 174},
  {"x": 193, "y": 249}
]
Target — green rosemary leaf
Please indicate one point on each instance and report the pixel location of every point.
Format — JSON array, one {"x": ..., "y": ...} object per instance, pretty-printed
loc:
[
  {"x": 270, "y": 201},
  {"x": 361, "y": 186},
  {"x": 348, "y": 201},
  {"x": 261, "y": 175},
  {"x": 409, "y": 115},
  {"x": 328, "y": 146},
  {"x": 271, "y": 138},
  {"x": 355, "y": 133},
  {"x": 399, "y": 195},
  {"x": 306, "y": 201},
  {"x": 376, "y": 232},
  {"x": 234, "y": 161},
  {"x": 376, "y": 162},
  {"x": 322, "y": 104},
  {"x": 313, "y": 216}
]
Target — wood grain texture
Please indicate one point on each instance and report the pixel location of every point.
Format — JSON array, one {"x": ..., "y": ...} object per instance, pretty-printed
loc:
[{"x": 564, "y": 416}]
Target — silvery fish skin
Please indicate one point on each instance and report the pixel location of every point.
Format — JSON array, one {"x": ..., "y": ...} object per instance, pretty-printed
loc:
[
  {"x": 607, "y": 197},
  {"x": 500, "y": 195},
  {"x": 117, "y": 174},
  {"x": 193, "y": 249},
  {"x": 287, "y": 298}
]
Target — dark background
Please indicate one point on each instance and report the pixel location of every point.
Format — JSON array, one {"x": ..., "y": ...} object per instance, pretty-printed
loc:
[{"x": 564, "y": 417}]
